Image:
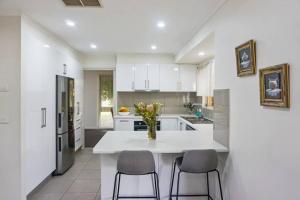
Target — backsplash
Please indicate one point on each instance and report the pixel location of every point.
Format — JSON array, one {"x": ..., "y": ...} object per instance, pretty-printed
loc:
[{"x": 173, "y": 101}]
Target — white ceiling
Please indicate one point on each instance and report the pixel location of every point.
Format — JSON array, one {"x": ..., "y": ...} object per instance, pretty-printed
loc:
[
  {"x": 206, "y": 46},
  {"x": 121, "y": 26}
]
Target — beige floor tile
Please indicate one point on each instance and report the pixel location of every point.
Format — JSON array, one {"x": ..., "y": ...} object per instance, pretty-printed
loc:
[
  {"x": 82, "y": 157},
  {"x": 79, "y": 196},
  {"x": 72, "y": 173},
  {"x": 56, "y": 185},
  {"x": 78, "y": 165},
  {"x": 90, "y": 174},
  {"x": 84, "y": 186},
  {"x": 53, "y": 196},
  {"x": 93, "y": 163}
]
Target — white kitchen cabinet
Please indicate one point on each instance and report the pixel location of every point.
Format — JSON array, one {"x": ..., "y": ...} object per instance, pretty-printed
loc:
[
  {"x": 153, "y": 77},
  {"x": 141, "y": 77},
  {"x": 146, "y": 77},
  {"x": 169, "y": 124},
  {"x": 125, "y": 78},
  {"x": 206, "y": 79},
  {"x": 188, "y": 78},
  {"x": 125, "y": 124},
  {"x": 169, "y": 78}
]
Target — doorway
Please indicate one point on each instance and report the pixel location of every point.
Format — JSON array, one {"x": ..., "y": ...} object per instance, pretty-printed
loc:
[{"x": 106, "y": 100}]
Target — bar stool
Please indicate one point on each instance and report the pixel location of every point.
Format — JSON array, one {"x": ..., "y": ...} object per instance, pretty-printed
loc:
[
  {"x": 136, "y": 163},
  {"x": 198, "y": 162}
]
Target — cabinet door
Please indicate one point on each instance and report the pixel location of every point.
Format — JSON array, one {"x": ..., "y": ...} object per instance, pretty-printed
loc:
[
  {"x": 169, "y": 124},
  {"x": 141, "y": 77},
  {"x": 124, "y": 125},
  {"x": 125, "y": 78},
  {"x": 153, "y": 77},
  {"x": 169, "y": 77},
  {"x": 188, "y": 74}
]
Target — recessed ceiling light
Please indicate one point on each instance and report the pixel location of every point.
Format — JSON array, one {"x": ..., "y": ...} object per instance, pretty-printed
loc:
[
  {"x": 201, "y": 53},
  {"x": 70, "y": 23},
  {"x": 46, "y": 45},
  {"x": 153, "y": 47},
  {"x": 161, "y": 24},
  {"x": 93, "y": 46}
]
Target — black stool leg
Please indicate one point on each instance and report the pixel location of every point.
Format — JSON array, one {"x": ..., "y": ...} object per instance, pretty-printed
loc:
[
  {"x": 207, "y": 182},
  {"x": 172, "y": 180},
  {"x": 119, "y": 181},
  {"x": 156, "y": 186},
  {"x": 178, "y": 180},
  {"x": 115, "y": 182},
  {"x": 220, "y": 184}
]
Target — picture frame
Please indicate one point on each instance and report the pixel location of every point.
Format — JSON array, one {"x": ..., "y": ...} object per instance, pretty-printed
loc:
[
  {"x": 246, "y": 58},
  {"x": 275, "y": 86}
]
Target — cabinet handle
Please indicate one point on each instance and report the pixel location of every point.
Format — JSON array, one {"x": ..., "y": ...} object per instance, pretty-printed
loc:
[
  {"x": 59, "y": 144},
  {"x": 124, "y": 121},
  {"x": 78, "y": 108},
  {"x": 44, "y": 117},
  {"x": 148, "y": 86},
  {"x": 145, "y": 83},
  {"x": 77, "y": 140},
  {"x": 78, "y": 128},
  {"x": 132, "y": 85}
]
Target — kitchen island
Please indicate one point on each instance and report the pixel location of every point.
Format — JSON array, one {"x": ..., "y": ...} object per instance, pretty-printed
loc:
[{"x": 167, "y": 146}]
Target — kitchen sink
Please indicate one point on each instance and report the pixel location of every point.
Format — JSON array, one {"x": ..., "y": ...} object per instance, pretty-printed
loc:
[{"x": 195, "y": 120}]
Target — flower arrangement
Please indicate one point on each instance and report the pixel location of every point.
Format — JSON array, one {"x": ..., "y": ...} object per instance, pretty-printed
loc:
[{"x": 149, "y": 113}]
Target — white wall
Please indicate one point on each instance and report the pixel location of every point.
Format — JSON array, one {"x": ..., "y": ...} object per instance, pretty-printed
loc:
[
  {"x": 264, "y": 142},
  {"x": 98, "y": 62},
  {"x": 10, "y": 142},
  {"x": 145, "y": 58},
  {"x": 91, "y": 99}
]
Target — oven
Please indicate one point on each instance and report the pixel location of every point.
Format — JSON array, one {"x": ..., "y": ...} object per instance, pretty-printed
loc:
[{"x": 142, "y": 126}]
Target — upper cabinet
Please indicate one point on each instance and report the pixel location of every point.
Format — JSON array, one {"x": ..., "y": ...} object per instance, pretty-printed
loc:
[
  {"x": 169, "y": 78},
  {"x": 153, "y": 77},
  {"x": 206, "y": 79},
  {"x": 146, "y": 77},
  {"x": 125, "y": 78},
  {"x": 164, "y": 77},
  {"x": 188, "y": 78}
]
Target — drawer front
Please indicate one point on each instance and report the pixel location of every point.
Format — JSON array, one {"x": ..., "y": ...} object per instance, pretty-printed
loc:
[{"x": 124, "y": 125}]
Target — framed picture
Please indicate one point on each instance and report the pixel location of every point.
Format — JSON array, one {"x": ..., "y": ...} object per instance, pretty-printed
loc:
[
  {"x": 275, "y": 86},
  {"x": 246, "y": 58}
]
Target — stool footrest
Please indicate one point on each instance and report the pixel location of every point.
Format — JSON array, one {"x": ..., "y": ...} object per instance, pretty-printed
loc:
[
  {"x": 192, "y": 195},
  {"x": 136, "y": 197}
]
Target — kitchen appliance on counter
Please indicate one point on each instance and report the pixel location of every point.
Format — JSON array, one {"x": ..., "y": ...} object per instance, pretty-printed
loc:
[
  {"x": 65, "y": 145},
  {"x": 142, "y": 126}
]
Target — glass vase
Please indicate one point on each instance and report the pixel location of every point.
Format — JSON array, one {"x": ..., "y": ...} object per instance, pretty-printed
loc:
[{"x": 152, "y": 132}]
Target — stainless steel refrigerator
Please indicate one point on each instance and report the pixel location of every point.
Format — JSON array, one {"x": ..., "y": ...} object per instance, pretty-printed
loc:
[{"x": 65, "y": 144}]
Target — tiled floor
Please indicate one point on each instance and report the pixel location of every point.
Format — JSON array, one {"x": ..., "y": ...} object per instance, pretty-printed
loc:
[{"x": 81, "y": 182}]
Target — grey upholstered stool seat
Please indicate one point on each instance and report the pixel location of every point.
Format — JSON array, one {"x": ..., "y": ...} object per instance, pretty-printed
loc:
[
  {"x": 195, "y": 161},
  {"x": 136, "y": 163}
]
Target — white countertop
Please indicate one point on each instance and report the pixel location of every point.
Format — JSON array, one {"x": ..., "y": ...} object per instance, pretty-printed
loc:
[
  {"x": 132, "y": 116},
  {"x": 166, "y": 142},
  {"x": 177, "y": 116}
]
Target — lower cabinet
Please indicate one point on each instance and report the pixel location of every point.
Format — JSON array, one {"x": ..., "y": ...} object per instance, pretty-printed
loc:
[
  {"x": 169, "y": 124},
  {"x": 124, "y": 124},
  {"x": 78, "y": 134}
]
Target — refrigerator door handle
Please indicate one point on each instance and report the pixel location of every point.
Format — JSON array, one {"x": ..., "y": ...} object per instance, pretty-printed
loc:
[
  {"x": 59, "y": 120},
  {"x": 59, "y": 143}
]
